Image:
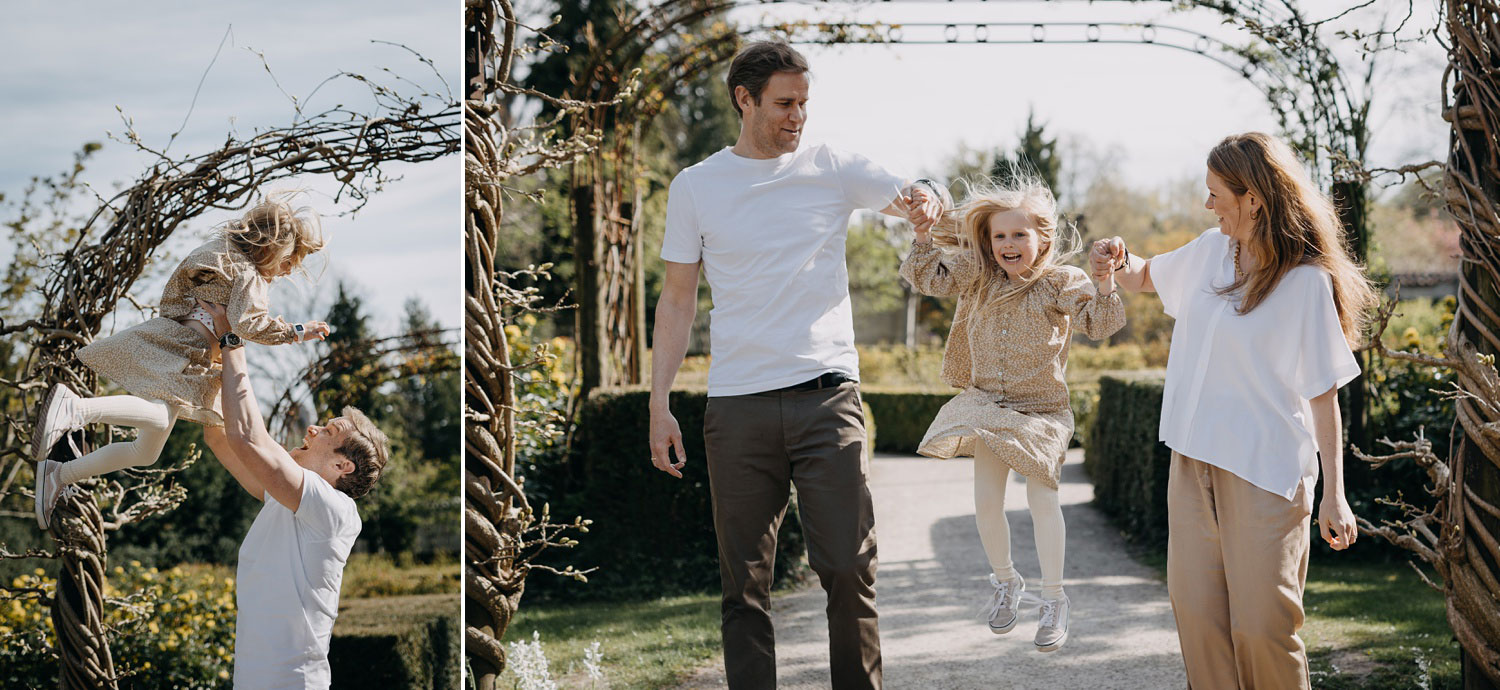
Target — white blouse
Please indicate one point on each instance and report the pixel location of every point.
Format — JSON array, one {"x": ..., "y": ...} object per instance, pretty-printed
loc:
[{"x": 1238, "y": 385}]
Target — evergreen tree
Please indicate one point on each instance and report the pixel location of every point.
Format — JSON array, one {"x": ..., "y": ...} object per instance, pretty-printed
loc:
[{"x": 1035, "y": 155}]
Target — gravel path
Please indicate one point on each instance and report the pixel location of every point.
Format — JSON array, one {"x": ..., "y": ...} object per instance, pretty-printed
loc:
[{"x": 932, "y": 581}]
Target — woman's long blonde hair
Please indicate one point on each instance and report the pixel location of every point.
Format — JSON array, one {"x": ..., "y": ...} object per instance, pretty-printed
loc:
[
  {"x": 968, "y": 229},
  {"x": 1297, "y": 225},
  {"x": 275, "y": 231}
]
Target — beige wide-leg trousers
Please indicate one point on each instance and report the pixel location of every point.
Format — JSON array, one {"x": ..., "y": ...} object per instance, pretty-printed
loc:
[{"x": 1236, "y": 569}]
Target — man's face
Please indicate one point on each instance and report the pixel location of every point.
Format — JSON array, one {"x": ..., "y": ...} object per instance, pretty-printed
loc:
[
  {"x": 319, "y": 449},
  {"x": 775, "y": 124}
]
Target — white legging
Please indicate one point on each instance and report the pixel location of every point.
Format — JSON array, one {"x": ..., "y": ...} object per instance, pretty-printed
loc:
[
  {"x": 152, "y": 419},
  {"x": 991, "y": 475}
]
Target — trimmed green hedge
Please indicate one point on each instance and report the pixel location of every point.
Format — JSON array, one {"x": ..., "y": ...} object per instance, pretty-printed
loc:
[
  {"x": 903, "y": 416},
  {"x": 652, "y": 534},
  {"x": 1126, "y": 463},
  {"x": 397, "y": 642}
]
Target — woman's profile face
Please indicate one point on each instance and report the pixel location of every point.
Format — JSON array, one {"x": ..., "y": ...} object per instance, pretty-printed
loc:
[{"x": 1232, "y": 209}]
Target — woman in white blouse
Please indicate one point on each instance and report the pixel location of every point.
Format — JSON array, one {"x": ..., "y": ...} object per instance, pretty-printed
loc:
[{"x": 1268, "y": 307}]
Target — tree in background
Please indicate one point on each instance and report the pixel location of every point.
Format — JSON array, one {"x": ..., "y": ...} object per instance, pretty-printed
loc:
[{"x": 1035, "y": 155}]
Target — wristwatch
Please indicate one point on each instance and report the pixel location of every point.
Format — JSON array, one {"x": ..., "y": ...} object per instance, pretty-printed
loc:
[
  {"x": 299, "y": 331},
  {"x": 230, "y": 341}
]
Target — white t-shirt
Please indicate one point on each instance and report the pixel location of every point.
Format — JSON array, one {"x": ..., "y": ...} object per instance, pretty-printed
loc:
[
  {"x": 1238, "y": 386},
  {"x": 287, "y": 588},
  {"x": 771, "y": 237}
]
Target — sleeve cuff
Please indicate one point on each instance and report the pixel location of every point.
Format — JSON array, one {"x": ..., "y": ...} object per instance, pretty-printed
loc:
[
  {"x": 680, "y": 257},
  {"x": 1340, "y": 377}
]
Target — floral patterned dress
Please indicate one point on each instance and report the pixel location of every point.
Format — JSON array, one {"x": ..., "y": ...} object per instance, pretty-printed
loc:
[
  {"x": 163, "y": 359},
  {"x": 1009, "y": 358}
]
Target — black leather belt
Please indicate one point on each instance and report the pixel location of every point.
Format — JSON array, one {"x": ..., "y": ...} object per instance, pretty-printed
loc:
[{"x": 832, "y": 379}]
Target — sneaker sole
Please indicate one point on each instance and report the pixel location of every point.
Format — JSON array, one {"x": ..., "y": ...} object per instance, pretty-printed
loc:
[
  {"x": 1001, "y": 630},
  {"x": 40, "y": 449},
  {"x": 38, "y": 453},
  {"x": 40, "y": 479},
  {"x": 1054, "y": 646}
]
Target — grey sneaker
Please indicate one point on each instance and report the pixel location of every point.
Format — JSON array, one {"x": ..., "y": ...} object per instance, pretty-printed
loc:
[
  {"x": 1001, "y": 611},
  {"x": 58, "y": 416},
  {"x": 47, "y": 489},
  {"x": 1052, "y": 632}
]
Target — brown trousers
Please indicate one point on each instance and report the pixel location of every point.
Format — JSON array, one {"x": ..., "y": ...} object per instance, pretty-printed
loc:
[
  {"x": 758, "y": 445},
  {"x": 1236, "y": 569}
]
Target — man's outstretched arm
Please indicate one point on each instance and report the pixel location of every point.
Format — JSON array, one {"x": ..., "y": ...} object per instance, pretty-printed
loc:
[
  {"x": 263, "y": 458},
  {"x": 218, "y": 442}
]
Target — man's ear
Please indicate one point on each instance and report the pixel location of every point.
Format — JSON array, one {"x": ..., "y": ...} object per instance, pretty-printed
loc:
[
  {"x": 343, "y": 464},
  {"x": 743, "y": 98}
]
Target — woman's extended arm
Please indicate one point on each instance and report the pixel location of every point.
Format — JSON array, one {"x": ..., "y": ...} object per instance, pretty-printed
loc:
[{"x": 1131, "y": 272}]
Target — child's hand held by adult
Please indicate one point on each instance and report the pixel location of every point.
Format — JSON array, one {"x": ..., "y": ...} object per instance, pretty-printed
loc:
[{"x": 315, "y": 330}]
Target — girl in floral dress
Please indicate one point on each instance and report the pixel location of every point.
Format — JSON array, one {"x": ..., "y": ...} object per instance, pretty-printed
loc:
[
  {"x": 166, "y": 363},
  {"x": 1008, "y": 348}
]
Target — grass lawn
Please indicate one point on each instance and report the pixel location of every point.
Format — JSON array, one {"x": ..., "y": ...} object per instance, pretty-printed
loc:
[
  {"x": 1370, "y": 626},
  {"x": 1376, "y": 625},
  {"x": 646, "y": 644}
]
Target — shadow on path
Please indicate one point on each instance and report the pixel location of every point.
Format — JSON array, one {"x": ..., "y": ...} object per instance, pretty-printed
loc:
[{"x": 933, "y": 579}]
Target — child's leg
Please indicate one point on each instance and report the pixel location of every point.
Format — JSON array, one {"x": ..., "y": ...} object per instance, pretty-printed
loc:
[
  {"x": 152, "y": 420},
  {"x": 1051, "y": 535},
  {"x": 991, "y": 474}
]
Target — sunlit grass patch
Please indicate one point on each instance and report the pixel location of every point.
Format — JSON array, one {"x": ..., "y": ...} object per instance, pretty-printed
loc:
[{"x": 645, "y": 644}]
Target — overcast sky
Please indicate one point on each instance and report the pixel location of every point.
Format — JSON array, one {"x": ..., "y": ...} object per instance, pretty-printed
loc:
[{"x": 66, "y": 67}]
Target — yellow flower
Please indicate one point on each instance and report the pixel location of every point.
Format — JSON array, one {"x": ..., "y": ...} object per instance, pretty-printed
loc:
[
  {"x": 223, "y": 674},
  {"x": 153, "y": 627},
  {"x": 1411, "y": 337},
  {"x": 40, "y": 572}
]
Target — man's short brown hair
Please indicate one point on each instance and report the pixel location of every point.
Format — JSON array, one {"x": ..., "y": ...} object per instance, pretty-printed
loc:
[
  {"x": 755, "y": 64},
  {"x": 368, "y": 448}
]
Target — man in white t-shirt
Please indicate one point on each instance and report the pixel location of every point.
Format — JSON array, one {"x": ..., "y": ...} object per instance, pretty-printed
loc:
[
  {"x": 292, "y": 561},
  {"x": 767, "y": 222}
]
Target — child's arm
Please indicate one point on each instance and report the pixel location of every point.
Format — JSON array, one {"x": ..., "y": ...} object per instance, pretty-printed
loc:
[
  {"x": 1096, "y": 312},
  {"x": 931, "y": 272},
  {"x": 250, "y": 318}
]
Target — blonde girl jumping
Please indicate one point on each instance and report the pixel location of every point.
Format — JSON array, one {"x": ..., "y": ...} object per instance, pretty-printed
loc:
[
  {"x": 166, "y": 362},
  {"x": 1017, "y": 309}
]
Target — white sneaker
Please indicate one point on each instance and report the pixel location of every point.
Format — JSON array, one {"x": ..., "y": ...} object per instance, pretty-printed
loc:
[
  {"x": 1001, "y": 611},
  {"x": 58, "y": 416},
  {"x": 1052, "y": 631},
  {"x": 47, "y": 490}
]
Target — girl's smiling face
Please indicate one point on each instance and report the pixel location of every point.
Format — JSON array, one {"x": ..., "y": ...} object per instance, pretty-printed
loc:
[{"x": 1014, "y": 240}]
